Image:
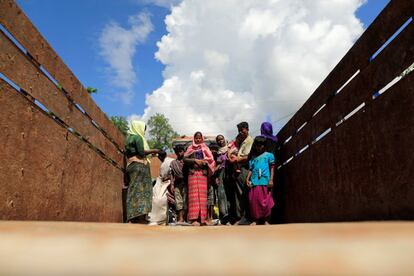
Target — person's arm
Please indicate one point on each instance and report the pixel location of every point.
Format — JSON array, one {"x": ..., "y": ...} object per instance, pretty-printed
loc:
[
  {"x": 248, "y": 183},
  {"x": 242, "y": 159},
  {"x": 151, "y": 151},
  {"x": 193, "y": 161},
  {"x": 243, "y": 155},
  {"x": 172, "y": 182},
  {"x": 272, "y": 173},
  {"x": 140, "y": 151},
  {"x": 171, "y": 190},
  {"x": 166, "y": 178}
]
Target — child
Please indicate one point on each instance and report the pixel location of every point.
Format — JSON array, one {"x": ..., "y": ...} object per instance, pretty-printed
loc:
[
  {"x": 212, "y": 188},
  {"x": 260, "y": 182},
  {"x": 200, "y": 161},
  {"x": 233, "y": 152},
  {"x": 178, "y": 185}
]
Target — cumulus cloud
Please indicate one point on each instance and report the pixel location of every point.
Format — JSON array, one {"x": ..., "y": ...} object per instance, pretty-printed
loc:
[
  {"x": 118, "y": 46},
  {"x": 232, "y": 61}
]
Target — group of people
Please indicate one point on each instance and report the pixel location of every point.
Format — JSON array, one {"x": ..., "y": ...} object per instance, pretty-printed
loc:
[{"x": 235, "y": 177}]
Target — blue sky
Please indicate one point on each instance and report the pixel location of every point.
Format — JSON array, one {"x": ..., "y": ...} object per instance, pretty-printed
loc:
[{"x": 73, "y": 29}]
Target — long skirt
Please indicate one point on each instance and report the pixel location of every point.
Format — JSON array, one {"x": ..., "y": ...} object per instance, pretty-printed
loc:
[
  {"x": 139, "y": 193},
  {"x": 260, "y": 202},
  {"x": 221, "y": 195},
  {"x": 197, "y": 196}
]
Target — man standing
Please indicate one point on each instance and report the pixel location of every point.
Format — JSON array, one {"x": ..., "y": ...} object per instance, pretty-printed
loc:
[{"x": 239, "y": 190}]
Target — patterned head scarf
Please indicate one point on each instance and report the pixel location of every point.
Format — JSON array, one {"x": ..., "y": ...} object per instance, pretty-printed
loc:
[{"x": 208, "y": 156}]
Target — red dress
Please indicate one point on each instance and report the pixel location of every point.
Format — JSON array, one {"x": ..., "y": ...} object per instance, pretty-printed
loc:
[{"x": 197, "y": 196}]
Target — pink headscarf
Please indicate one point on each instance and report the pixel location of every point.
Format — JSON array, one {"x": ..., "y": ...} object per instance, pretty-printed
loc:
[{"x": 208, "y": 156}]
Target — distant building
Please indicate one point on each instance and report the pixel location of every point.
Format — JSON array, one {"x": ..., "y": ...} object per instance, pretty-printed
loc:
[{"x": 187, "y": 140}]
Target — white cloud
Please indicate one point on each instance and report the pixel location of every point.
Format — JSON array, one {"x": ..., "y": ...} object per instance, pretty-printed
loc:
[
  {"x": 232, "y": 61},
  {"x": 118, "y": 46},
  {"x": 134, "y": 117}
]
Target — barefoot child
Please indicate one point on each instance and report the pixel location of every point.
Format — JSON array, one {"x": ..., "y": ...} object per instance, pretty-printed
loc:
[
  {"x": 179, "y": 186},
  {"x": 260, "y": 182}
]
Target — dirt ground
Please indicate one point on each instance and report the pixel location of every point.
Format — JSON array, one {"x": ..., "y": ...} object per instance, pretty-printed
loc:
[{"x": 69, "y": 248}]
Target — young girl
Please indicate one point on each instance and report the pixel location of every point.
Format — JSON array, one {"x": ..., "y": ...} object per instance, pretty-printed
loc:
[
  {"x": 260, "y": 182},
  {"x": 201, "y": 165}
]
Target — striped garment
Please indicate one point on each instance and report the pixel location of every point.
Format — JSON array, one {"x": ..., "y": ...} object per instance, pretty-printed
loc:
[{"x": 197, "y": 196}]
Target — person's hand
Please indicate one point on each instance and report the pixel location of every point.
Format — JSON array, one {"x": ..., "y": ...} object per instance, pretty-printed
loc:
[
  {"x": 200, "y": 162},
  {"x": 170, "y": 198},
  {"x": 270, "y": 184},
  {"x": 248, "y": 183}
]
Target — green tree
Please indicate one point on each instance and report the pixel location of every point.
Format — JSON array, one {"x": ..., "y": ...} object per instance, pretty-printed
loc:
[
  {"x": 91, "y": 90},
  {"x": 160, "y": 132},
  {"x": 121, "y": 123}
]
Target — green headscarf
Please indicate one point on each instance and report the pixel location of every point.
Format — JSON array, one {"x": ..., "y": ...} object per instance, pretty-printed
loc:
[{"x": 138, "y": 128}]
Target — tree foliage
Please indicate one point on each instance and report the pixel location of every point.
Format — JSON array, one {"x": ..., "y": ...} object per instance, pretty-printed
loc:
[
  {"x": 91, "y": 90},
  {"x": 160, "y": 132},
  {"x": 121, "y": 123}
]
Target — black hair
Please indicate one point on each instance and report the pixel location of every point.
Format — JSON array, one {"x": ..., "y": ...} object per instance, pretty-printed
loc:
[
  {"x": 162, "y": 154},
  {"x": 214, "y": 145},
  {"x": 198, "y": 132},
  {"x": 219, "y": 136},
  {"x": 179, "y": 148},
  {"x": 243, "y": 125},
  {"x": 260, "y": 140}
]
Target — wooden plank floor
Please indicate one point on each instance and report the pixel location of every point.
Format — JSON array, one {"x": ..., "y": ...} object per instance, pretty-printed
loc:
[{"x": 68, "y": 248}]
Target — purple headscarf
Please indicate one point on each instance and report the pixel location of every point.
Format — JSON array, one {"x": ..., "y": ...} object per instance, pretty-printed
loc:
[{"x": 266, "y": 130}]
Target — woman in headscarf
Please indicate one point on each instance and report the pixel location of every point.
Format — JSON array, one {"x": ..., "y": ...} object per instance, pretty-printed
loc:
[
  {"x": 200, "y": 161},
  {"x": 221, "y": 178},
  {"x": 266, "y": 131},
  {"x": 139, "y": 195}
]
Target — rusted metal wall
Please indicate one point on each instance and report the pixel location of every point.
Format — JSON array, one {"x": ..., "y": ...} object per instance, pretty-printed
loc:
[
  {"x": 348, "y": 153},
  {"x": 61, "y": 157}
]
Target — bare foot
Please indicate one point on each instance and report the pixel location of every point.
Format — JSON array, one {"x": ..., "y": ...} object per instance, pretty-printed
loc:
[
  {"x": 209, "y": 223},
  {"x": 266, "y": 223},
  {"x": 195, "y": 223},
  {"x": 253, "y": 224}
]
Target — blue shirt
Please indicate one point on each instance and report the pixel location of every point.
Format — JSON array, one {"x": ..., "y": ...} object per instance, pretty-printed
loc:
[{"x": 260, "y": 168}]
